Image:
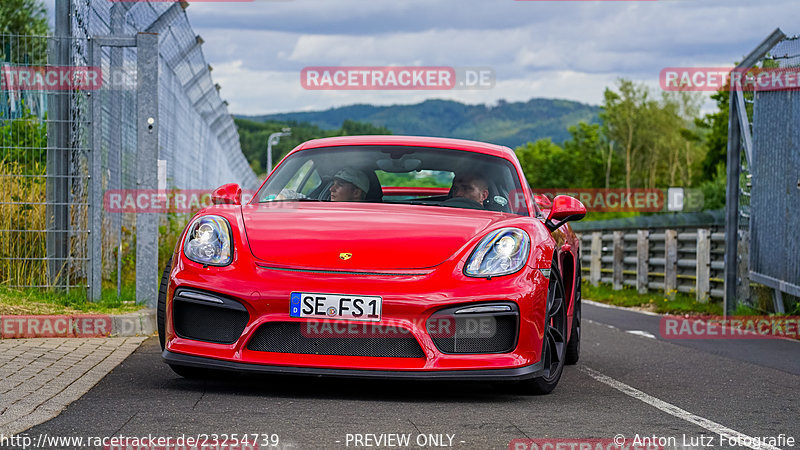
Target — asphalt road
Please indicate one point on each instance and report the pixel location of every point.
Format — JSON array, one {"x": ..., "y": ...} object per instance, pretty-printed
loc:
[{"x": 633, "y": 384}]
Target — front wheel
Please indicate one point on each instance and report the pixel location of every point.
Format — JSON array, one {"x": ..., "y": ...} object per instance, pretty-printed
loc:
[
  {"x": 574, "y": 346},
  {"x": 555, "y": 332},
  {"x": 161, "y": 307}
]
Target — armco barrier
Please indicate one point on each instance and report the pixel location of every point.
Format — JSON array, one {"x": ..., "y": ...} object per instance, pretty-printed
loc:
[{"x": 679, "y": 253}]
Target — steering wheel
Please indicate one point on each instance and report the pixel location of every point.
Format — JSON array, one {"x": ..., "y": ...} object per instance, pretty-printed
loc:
[{"x": 462, "y": 202}]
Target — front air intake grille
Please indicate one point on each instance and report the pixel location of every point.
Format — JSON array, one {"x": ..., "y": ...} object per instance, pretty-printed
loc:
[
  {"x": 475, "y": 333},
  {"x": 203, "y": 316},
  {"x": 291, "y": 337}
]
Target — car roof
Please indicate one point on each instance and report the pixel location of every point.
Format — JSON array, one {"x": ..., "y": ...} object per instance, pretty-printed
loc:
[{"x": 410, "y": 141}]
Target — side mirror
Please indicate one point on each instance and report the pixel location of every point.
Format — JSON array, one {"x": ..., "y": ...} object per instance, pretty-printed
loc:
[
  {"x": 542, "y": 201},
  {"x": 228, "y": 194},
  {"x": 564, "y": 209}
]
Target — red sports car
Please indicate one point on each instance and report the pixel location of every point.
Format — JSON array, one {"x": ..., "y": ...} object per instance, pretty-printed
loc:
[{"x": 379, "y": 256}]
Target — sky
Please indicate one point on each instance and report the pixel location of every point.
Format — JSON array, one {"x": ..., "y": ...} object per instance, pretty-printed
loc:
[{"x": 550, "y": 49}]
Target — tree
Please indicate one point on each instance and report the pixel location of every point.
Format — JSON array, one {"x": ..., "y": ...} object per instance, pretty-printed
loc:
[
  {"x": 716, "y": 140},
  {"x": 23, "y": 17},
  {"x": 26, "y": 22},
  {"x": 711, "y": 176},
  {"x": 543, "y": 163},
  {"x": 625, "y": 121},
  {"x": 587, "y": 161},
  {"x": 657, "y": 138}
]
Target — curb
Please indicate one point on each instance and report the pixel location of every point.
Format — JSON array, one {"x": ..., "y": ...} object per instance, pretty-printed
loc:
[{"x": 139, "y": 323}]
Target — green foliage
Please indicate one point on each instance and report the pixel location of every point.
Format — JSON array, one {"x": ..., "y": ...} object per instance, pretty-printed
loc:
[
  {"x": 26, "y": 19},
  {"x": 714, "y": 189},
  {"x": 712, "y": 176},
  {"x": 657, "y": 139},
  {"x": 543, "y": 163},
  {"x": 24, "y": 141},
  {"x": 589, "y": 150},
  {"x": 353, "y": 128},
  {"x": 38, "y": 301},
  {"x": 716, "y": 140},
  {"x": 253, "y": 138},
  {"x": 23, "y": 17},
  {"x": 411, "y": 180},
  {"x": 580, "y": 162}
]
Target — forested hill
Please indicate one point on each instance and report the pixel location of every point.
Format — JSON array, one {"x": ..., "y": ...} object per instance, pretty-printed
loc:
[{"x": 507, "y": 123}]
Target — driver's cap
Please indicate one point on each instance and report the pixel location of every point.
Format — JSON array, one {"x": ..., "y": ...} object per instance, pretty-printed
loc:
[{"x": 354, "y": 176}]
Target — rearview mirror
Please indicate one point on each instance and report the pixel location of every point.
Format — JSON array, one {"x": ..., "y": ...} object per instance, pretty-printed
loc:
[
  {"x": 564, "y": 209},
  {"x": 228, "y": 194}
]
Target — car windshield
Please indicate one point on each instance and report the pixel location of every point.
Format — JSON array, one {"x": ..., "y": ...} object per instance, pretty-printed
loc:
[{"x": 398, "y": 175}]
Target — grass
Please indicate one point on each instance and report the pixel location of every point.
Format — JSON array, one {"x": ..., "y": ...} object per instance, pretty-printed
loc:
[
  {"x": 651, "y": 301},
  {"x": 20, "y": 184},
  {"x": 681, "y": 304},
  {"x": 23, "y": 245},
  {"x": 51, "y": 302}
]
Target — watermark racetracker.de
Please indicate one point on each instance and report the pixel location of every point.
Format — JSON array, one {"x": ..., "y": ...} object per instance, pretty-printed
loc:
[
  {"x": 712, "y": 79},
  {"x": 731, "y": 327},
  {"x": 49, "y": 78},
  {"x": 397, "y": 78},
  {"x": 161, "y": 200},
  {"x": 15, "y": 78}
]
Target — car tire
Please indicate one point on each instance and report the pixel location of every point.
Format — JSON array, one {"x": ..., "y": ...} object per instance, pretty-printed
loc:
[
  {"x": 161, "y": 307},
  {"x": 554, "y": 346},
  {"x": 574, "y": 346}
]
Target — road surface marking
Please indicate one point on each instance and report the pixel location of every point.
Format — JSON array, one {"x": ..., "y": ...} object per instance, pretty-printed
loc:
[
  {"x": 607, "y": 306},
  {"x": 674, "y": 410},
  {"x": 641, "y": 333},
  {"x": 599, "y": 323}
]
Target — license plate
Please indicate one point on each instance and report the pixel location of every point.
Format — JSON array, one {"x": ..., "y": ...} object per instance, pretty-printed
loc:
[{"x": 336, "y": 306}]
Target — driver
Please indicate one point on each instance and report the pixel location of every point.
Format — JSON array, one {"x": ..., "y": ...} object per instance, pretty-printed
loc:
[
  {"x": 349, "y": 185},
  {"x": 470, "y": 185}
]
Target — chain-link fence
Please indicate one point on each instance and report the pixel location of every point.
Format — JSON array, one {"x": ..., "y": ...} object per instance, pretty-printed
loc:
[
  {"x": 43, "y": 166},
  {"x": 121, "y": 99},
  {"x": 763, "y": 193}
]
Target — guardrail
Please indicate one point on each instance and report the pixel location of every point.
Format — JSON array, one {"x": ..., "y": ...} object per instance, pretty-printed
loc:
[{"x": 689, "y": 260}]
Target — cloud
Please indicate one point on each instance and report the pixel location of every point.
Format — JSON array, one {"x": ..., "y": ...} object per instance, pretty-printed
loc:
[{"x": 258, "y": 49}]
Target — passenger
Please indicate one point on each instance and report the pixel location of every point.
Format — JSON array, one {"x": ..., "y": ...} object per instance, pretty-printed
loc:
[
  {"x": 470, "y": 185},
  {"x": 349, "y": 185}
]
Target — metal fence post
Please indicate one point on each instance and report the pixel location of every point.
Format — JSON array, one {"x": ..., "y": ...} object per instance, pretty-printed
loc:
[
  {"x": 642, "y": 260},
  {"x": 703, "y": 265},
  {"x": 147, "y": 166},
  {"x": 670, "y": 262},
  {"x": 595, "y": 258},
  {"x": 619, "y": 256},
  {"x": 742, "y": 266},
  {"x": 95, "y": 240},
  {"x": 59, "y": 146}
]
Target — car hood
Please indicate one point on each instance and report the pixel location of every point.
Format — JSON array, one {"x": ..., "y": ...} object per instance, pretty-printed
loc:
[{"x": 360, "y": 236}]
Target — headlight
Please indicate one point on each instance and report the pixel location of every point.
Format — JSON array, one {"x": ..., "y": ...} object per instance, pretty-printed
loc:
[
  {"x": 501, "y": 252},
  {"x": 208, "y": 241}
]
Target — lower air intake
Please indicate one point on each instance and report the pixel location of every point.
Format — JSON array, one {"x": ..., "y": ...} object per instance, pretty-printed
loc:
[
  {"x": 312, "y": 339},
  {"x": 217, "y": 319}
]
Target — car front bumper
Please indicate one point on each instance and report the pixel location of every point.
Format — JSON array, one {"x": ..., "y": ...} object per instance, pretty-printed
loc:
[{"x": 408, "y": 301}]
